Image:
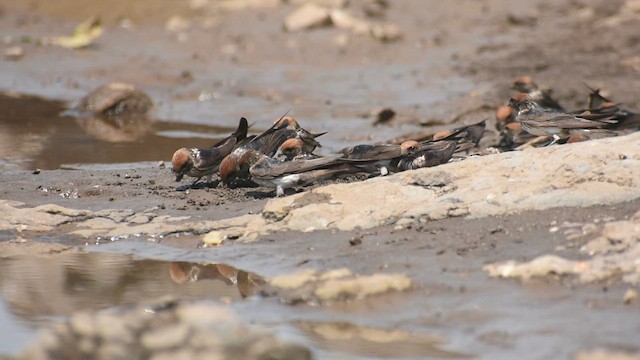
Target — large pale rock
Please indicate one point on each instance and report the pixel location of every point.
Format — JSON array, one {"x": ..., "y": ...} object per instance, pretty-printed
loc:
[{"x": 605, "y": 171}]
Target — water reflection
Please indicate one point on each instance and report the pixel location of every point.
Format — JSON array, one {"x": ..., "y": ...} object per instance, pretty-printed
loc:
[
  {"x": 37, "y": 288},
  {"x": 375, "y": 342},
  {"x": 33, "y": 134},
  {"x": 248, "y": 284}
]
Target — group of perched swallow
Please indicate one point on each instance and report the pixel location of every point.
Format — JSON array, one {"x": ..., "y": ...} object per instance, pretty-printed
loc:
[
  {"x": 534, "y": 118},
  {"x": 283, "y": 156}
]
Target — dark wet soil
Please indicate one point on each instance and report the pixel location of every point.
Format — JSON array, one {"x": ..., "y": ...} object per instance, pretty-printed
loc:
[{"x": 454, "y": 65}]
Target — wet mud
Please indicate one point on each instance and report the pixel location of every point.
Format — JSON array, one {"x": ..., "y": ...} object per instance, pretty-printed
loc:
[{"x": 205, "y": 64}]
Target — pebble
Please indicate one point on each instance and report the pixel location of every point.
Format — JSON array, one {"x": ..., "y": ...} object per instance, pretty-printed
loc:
[
  {"x": 306, "y": 17},
  {"x": 630, "y": 296},
  {"x": 13, "y": 53}
]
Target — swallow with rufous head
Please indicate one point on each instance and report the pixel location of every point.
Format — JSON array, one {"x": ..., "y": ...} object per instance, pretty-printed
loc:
[{"x": 198, "y": 163}]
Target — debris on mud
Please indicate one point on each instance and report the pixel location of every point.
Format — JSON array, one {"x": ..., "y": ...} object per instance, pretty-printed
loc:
[{"x": 83, "y": 35}]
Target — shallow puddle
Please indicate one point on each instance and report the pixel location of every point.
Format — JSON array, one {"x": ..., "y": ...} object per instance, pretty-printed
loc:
[
  {"x": 37, "y": 290},
  {"x": 34, "y": 133}
]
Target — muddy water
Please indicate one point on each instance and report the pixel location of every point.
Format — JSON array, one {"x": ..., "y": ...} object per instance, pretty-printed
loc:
[
  {"x": 35, "y": 292},
  {"x": 35, "y": 133},
  {"x": 38, "y": 133}
]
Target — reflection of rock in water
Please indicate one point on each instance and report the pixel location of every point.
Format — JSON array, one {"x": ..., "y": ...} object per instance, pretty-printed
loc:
[
  {"x": 169, "y": 330},
  {"x": 60, "y": 284},
  {"x": 247, "y": 283},
  {"x": 370, "y": 341},
  {"x": 116, "y": 128},
  {"x": 116, "y": 112}
]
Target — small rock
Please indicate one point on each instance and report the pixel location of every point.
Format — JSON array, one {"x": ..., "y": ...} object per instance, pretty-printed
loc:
[
  {"x": 177, "y": 24},
  {"x": 356, "y": 240},
  {"x": 14, "y": 53},
  {"x": 139, "y": 219},
  {"x": 161, "y": 164},
  {"x": 630, "y": 296},
  {"x": 306, "y": 17},
  {"x": 522, "y": 19},
  {"x": 214, "y": 238},
  {"x": 386, "y": 32},
  {"x": 343, "y": 20},
  {"x": 36, "y": 171},
  {"x": 375, "y": 8},
  {"x": 115, "y": 98},
  {"x": 384, "y": 116}
]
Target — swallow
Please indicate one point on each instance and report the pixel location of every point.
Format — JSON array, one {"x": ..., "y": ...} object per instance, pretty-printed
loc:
[
  {"x": 598, "y": 104},
  {"x": 596, "y": 100},
  {"x": 308, "y": 139},
  {"x": 270, "y": 140},
  {"x": 413, "y": 156},
  {"x": 540, "y": 121},
  {"x": 525, "y": 84},
  {"x": 197, "y": 163},
  {"x": 270, "y": 172},
  {"x": 465, "y": 137},
  {"x": 234, "y": 165},
  {"x": 511, "y": 133},
  {"x": 504, "y": 116},
  {"x": 295, "y": 148},
  {"x": 371, "y": 158},
  {"x": 382, "y": 159}
]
